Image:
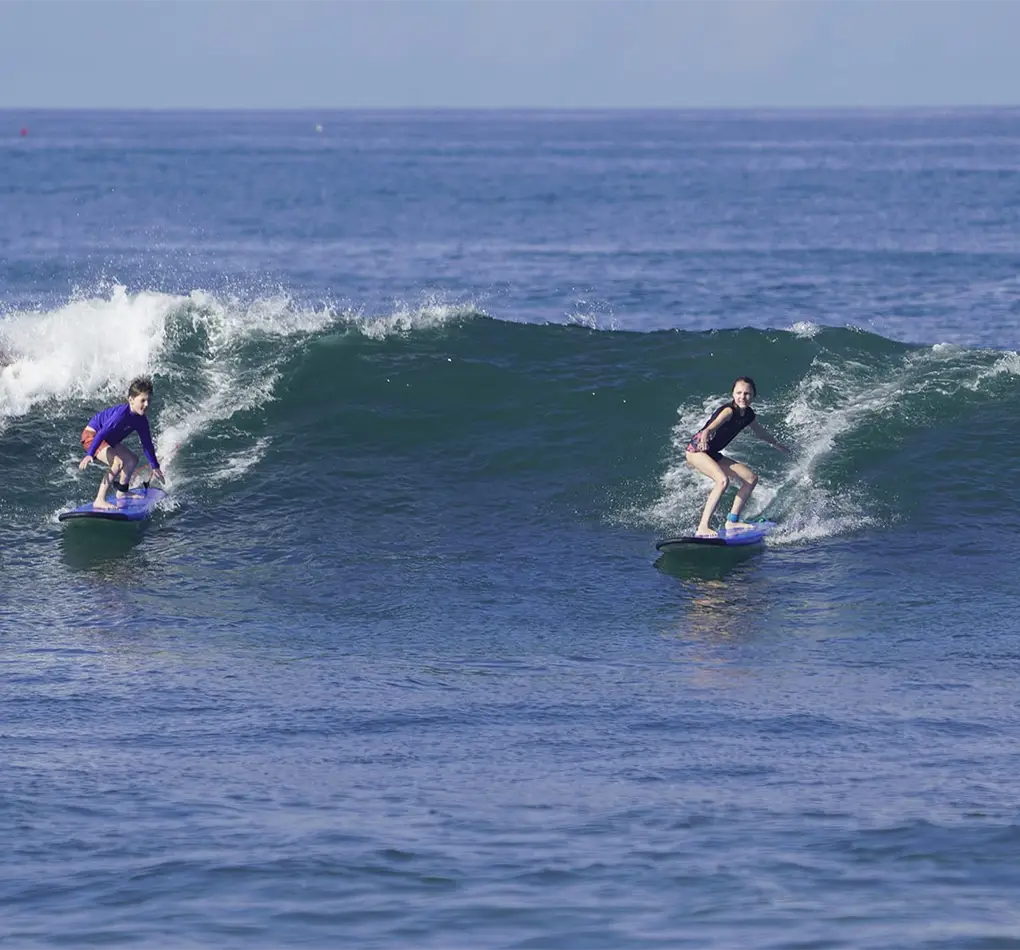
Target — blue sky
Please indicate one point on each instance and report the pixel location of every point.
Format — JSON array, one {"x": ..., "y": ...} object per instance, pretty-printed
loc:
[{"x": 513, "y": 54}]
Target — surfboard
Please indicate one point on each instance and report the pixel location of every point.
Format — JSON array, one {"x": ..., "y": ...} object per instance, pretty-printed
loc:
[
  {"x": 137, "y": 505},
  {"x": 737, "y": 537}
]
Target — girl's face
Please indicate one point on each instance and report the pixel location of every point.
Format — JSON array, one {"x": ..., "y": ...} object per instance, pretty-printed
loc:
[
  {"x": 138, "y": 404},
  {"x": 742, "y": 395}
]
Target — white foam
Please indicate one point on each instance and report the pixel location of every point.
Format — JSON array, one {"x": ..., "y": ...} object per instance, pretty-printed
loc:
[
  {"x": 832, "y": 403},
  {"x": 233, "y": 320},
  {"x": 1007, "y": 364},
  {"x": 593, "y": 315},
  {"x": 229, "y": 381},
  {"x": 805, "y": 330},
  {"x": 89, "y": 349},
  {"x": 432, "y": 313},
  {"x": 241, "y": 462}
]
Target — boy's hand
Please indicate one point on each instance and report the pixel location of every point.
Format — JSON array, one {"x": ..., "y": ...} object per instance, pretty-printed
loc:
[{"x": 84, "y": 463}]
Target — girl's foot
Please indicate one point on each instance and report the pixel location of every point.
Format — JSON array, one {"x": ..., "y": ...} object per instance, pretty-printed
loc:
[
  {"x": 706, "y": 534},
  {"x": 102, "y": 504}
]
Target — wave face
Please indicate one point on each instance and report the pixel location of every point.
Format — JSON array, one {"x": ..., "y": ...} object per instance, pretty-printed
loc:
[{"x": 446, "y": 403}]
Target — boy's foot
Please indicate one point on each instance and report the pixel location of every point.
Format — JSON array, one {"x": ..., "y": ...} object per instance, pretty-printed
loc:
[
  {"x": 737, "y": 525},
  {"x": 103, "y": 504},
  {"x": 706, "y": 534}
]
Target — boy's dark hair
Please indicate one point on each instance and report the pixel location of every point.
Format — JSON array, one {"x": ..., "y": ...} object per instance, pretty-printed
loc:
[
  {"x": 140, "y": 384},
  {"x": 739, "y": 379}
]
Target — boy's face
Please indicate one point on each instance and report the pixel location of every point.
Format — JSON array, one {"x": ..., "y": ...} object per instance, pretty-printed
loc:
[{"x": 138, "y": 404}]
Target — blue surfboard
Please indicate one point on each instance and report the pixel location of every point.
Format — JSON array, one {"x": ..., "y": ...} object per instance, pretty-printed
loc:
[
  {"x": 137, "y": 505},
  {"x": 734, "y": 538}
]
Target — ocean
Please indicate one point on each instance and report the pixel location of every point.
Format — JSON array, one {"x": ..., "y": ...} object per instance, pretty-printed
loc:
[{"x": 397, "y": 663}]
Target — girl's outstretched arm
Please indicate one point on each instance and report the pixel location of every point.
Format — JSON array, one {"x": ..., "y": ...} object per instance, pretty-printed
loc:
[{"x": 759, "y": 430}]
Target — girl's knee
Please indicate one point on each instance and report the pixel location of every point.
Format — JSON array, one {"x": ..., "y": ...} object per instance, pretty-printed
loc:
[{"x": 722, "y": 483}]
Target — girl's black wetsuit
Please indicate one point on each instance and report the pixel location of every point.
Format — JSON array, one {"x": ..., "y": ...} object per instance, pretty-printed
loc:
[{"x": 726, "y": 433}]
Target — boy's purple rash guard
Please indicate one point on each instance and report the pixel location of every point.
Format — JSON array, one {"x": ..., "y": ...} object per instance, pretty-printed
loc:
[{"x": 115, "y": 424}]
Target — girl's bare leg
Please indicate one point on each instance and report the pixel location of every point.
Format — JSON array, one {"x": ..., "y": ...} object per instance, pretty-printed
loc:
[
  {"x": 748, "y": 479},
  {"x": 705, "y": 464}
]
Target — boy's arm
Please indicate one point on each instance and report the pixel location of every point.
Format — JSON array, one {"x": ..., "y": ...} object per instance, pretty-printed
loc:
[
  {"x": 146, "y": 437},
  {"x": 111, "y": 424}
]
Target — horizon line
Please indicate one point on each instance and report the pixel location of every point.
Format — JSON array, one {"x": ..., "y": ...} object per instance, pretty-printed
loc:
[{"x": 927, "y": 107}]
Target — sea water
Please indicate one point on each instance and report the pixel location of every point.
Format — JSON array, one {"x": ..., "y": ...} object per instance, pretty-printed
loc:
[{"x": 397, "y": 663}]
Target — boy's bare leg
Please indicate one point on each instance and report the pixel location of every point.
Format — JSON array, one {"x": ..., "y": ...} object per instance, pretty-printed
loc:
[
  {"x": 104, "y": 486},
  {"x": 122, "y": 462}
]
